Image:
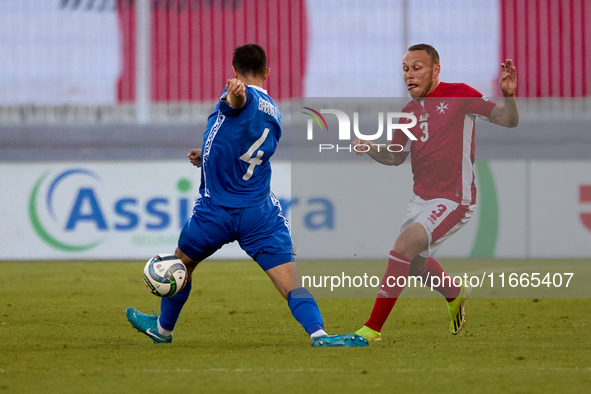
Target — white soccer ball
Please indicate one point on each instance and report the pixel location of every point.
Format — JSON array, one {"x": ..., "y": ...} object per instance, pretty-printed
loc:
[{"x": 165, "y": 275}]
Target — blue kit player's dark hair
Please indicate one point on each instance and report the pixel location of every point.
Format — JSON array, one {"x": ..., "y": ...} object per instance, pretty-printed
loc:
[{"x": 250, "y": 59}]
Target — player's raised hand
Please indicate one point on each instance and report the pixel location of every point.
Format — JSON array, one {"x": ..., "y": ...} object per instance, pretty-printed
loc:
[
  {"x": 194, "y": 156},
  {"x": 235, "y": 87},
  {"x": 508, "y": 81},
  {"x": 361, "y": 150},
  {"x": 236, "y": 93}
]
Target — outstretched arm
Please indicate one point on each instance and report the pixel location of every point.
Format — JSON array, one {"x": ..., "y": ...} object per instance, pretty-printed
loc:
[
  {"x": 380, "y": 153},
  {"x": 508, "y": 114}
]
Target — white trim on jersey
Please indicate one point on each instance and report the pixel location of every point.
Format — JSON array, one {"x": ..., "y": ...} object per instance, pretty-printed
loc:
[
  {"x": 467, "y": 170},
  {"x": 207, "y": 147},
  {"x": 276, "y": 202},
  {"x": 407, "y": 146},
  {"x": 258, "y": 88}
]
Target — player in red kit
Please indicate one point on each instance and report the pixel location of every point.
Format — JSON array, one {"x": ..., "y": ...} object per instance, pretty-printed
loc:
[{"x": 442, "y": 158}]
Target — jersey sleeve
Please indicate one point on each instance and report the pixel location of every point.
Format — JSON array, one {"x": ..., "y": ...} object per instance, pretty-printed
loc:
[
  {"x": 476, "y": 103},
  {"x": 227, "y": 110}
]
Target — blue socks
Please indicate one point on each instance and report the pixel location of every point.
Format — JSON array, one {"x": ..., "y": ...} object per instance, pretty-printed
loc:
[
  {"x": 170, "y": 308},
  {"x": 305, "y": 310}
]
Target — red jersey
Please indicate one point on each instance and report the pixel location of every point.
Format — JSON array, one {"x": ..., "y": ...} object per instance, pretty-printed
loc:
[{"x": 442, "y": 157}]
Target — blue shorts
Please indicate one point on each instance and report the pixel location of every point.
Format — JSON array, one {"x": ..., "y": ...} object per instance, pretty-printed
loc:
[{"x": 262, "y": 232}]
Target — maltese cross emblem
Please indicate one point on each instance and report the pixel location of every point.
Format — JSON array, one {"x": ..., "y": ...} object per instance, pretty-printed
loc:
[{"x": 442, "y": 107}]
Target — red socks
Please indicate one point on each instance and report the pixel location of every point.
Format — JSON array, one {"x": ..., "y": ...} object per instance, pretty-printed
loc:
[
  {"x": 446, "y": 286},
  {"x": 398, "y": 266}
]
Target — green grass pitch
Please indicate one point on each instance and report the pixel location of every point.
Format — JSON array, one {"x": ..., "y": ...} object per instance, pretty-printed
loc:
[{"x": 63, "y": 330}]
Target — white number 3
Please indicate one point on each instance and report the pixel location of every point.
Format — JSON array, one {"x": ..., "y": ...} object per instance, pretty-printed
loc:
[
  {"x": 256, "y": 160},
  {"x": 425, "y": 127}
]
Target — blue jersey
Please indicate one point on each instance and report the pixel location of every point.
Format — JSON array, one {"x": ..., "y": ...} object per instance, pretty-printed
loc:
[{"x": 237, "y": 146}]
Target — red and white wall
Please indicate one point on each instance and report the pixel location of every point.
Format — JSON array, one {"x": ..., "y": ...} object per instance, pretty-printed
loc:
[
  {"x": 550, "y": 41},
  {"x": 193, "y": 41},
  {"x": 80, "y": 52}
]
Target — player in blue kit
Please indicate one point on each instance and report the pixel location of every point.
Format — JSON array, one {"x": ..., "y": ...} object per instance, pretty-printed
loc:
[{"x": 237, "y": 203}]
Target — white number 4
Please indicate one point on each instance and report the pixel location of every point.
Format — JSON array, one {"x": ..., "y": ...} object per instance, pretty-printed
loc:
[{"x": 256, "y": 160}]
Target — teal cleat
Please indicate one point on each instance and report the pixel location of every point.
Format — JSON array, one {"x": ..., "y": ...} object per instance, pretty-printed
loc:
[
  {"x": 346, "y": 340},
  {"x": 146, "y": 324}
]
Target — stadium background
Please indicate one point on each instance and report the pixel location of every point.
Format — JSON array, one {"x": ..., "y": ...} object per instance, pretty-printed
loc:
[{"x": 101, "y": 100}]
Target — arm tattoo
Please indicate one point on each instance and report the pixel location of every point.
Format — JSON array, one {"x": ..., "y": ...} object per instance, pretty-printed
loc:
[{"x": 383, "y": 156}]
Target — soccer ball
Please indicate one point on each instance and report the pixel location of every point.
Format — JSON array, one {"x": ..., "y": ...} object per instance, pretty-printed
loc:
[{"x": 165, "y": 275}]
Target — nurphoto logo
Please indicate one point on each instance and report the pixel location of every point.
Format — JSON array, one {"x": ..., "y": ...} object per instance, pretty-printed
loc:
[{"x": 344, "y": 129}]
